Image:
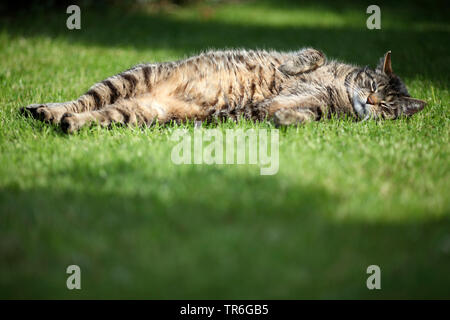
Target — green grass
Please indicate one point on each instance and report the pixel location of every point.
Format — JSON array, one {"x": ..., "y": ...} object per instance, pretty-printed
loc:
[{"x": 347, "y": 194}]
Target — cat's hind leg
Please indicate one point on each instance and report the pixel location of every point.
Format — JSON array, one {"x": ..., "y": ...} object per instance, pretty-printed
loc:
[
  {"x": 51, "y": 112},
  {"x": 133, "y": 82},
  {"x": 97, "y": 97},
  {"x": 139, "y": 111},
  {"x": 126, "y": 112}
]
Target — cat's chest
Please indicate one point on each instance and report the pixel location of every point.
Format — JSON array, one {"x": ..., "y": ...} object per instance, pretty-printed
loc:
[{"x": 321, "y": 76}]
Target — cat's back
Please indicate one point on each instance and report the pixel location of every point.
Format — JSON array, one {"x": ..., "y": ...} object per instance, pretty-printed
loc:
[{"x": 233, "y": 60}]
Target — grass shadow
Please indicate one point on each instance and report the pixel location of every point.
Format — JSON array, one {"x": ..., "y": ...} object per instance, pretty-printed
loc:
[{"x": 186, "y": 236}]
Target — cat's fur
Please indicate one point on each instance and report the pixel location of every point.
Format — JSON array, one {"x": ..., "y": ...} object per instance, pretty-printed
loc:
[{"x": 288, "y": 87}]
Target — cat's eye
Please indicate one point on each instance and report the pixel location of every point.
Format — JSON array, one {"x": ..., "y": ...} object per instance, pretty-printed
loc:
[{"x": 373, "y": 86}]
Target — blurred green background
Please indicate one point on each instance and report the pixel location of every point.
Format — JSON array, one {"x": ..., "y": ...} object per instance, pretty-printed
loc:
[{"x": 347, "y": 195}]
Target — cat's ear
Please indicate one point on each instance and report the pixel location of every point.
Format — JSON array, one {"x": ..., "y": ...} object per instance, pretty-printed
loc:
[
  {"x": 385, "y": 64},
  {"x": 411, "y": 105}
]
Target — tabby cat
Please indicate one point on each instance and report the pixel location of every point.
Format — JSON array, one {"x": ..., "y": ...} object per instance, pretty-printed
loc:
[{"x": 288, "y": 87}]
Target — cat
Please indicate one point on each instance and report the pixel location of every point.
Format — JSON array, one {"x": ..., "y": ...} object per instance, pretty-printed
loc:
[{"x": 289, "y": 88}]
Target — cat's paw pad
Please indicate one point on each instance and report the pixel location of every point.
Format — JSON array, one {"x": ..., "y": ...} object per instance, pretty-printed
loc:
[{"x": 69, "y": 123}]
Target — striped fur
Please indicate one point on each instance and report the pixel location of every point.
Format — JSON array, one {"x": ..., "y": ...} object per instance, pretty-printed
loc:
[{"x": 288, "y": 87}]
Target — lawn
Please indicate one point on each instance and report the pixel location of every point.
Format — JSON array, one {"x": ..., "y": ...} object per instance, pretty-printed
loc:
[{"x": 347, "y": 194}]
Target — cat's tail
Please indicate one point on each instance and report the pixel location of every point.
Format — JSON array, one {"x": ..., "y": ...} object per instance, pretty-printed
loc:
[{"x": 128, "y": 84}]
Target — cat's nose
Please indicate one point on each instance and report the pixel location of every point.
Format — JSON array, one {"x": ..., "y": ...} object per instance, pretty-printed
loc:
[{"x": 371, "y": 99}]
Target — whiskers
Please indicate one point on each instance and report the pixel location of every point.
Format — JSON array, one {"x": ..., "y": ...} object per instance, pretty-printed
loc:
[
  {"x": 364, "y": 110},
  {"x": 371, "y": 114}
]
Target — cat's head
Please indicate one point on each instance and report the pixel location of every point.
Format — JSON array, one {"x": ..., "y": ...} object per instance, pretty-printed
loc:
[{"x": 381, "y": 94}]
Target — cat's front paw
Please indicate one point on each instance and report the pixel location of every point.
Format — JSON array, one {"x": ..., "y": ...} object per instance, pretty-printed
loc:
[
  {"x": 286, "y": 117},
  {"x": 317, "y": 58},
  {"x": 307, "y": 60}
]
